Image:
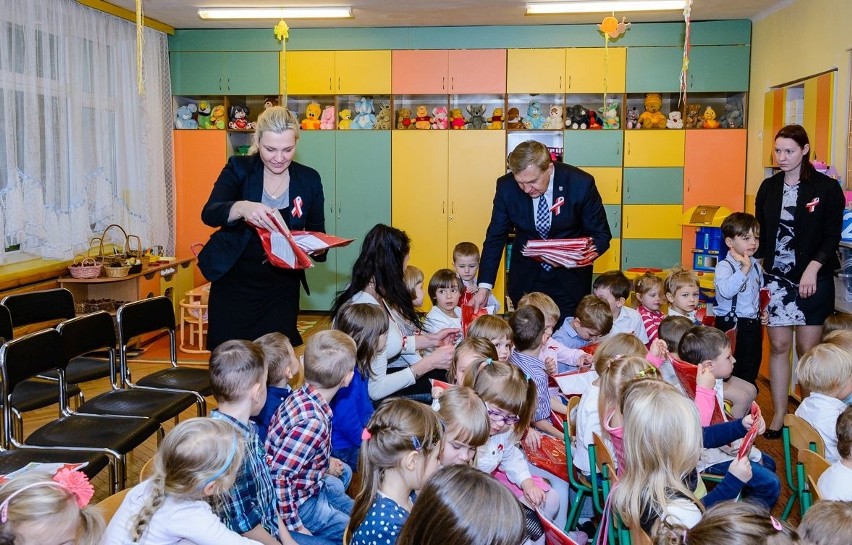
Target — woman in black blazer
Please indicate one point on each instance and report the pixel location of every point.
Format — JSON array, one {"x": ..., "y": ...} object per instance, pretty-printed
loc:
[
  {"x": 800, "y": 212},
  {"x": 249, "y": 297}
]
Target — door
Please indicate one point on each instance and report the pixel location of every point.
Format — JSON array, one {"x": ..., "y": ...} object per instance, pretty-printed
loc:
[
  {"x": 362, "y": 72},
  {"x": 251, "y": 73},
  {"x": 421, "y": 72},
  {"x": 309, "y": 72},
  {"x": 658, "y": 253},
  {"x": 197, "y": 72},
  {"x": 651, "y": 221},
  {"x": 608, "y": 182},
  {"x": 718, "y": 68},
  {"x": 594, "y": 148},
  {"x": 532, "y": 71},
  {"x": 714, "y": 170},
  {"x": 654, "y": 69},
  {"x": 653, "y": 148},
  {"x": 653, "y": 185},
  {"x": 611, "y": 259},
  {"x": 595, "y": 69},
  {"x": 475, "y": 71}
]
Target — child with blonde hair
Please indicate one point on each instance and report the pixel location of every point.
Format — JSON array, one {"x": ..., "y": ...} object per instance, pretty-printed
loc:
[
  {"x": 682, "y": 292},
  {"x": 838, "y": 321},
  {"x": 827, "y": 523},
  {"x": 398, "y": 455},
  {"x": 196, "y": 462},
  {"x": 731, "y": 523},
  {"x": 826, "y": 372},
  {"x": 469, "y": 350},
  {"x": 413, "y": 278},
  {"x": 466, "y": 425},
  {"x": 648, "y": 289},
  {"x": 37, "y": 506},
  {"x": 495, "y": 329},
  {"x": 445, "y": 289},
  {"x": 567, "y": 359},
  {"x": 835, "y": 483}
]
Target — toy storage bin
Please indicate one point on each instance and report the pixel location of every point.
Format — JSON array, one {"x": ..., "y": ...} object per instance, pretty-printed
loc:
[
  {"x": 845, "y": 255},
  {"x": 843, "y": 284}
]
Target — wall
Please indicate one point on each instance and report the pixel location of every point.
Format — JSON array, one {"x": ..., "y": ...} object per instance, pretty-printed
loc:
[{"x": 801, "y": 39}]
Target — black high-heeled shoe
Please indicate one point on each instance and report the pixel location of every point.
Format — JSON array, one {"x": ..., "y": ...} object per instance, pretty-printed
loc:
[{"x": 772, "y": 434}]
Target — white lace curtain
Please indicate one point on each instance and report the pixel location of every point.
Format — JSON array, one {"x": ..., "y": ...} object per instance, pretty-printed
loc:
[{"x": 79, "y": 147}]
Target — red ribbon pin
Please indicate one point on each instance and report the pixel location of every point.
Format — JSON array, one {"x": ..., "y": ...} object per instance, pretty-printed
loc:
[
  {"x": 297, "y": 207},
  {"x": 812, "y": 205},
  {"x": 557, "y": 206}
]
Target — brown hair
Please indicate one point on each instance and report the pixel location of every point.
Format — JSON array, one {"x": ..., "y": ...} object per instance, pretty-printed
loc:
[
  {"x": 277, "y": 352},
  {"x": 702, "y": 343},
  {"x": 412, "y": 277},
  {"x": 740, "y": 224},
  {"x": 236, "y": 366},
  {"x": 542, "y": 302},
  {"x": 444, "y": 278},
  {"x": 731, "y": 523},
  {"x": 527, "y": 325},
  {"x": 365, "y": 323},
  {"x": 838, "y": 321},
  {"x": 329, "y": 356},
  {"x": 619, "y": 345},
  {"x": 464, "y": 416},
  {"x": 529, "y": 153},
  {"x": 827, "y": 523},
  {"x": 479, "y": 346},
  {"x": 672, "y": 329},
  {"x": 614, "y": 282},
  {"x": 505, "y": 386},
  {"x": 843, "y": 429},
  {"x": 465, "y": 249},
  {"x": 645, "y": 283},
  {"x": 489, "y": 326},
  {"x": 799, "y": 135},
  {"x": 594, "y": 313},
  {"x": 824, "y": 368}
]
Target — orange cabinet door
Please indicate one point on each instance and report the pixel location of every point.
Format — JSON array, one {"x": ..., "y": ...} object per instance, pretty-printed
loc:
[
  {"x": 714, "y": 169},
  {"x": 419, "y": 72},
  {"x": 477, "y": 71}
]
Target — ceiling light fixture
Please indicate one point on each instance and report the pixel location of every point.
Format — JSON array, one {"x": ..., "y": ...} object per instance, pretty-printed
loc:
[
  {"x": 336, "y": 12},
  {"x": 550, "y": 8}
]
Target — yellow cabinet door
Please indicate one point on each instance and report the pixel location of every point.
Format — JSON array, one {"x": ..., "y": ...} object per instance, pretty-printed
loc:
[
  {"x": 595, "y": 69},
  {"x": 611, "y": 259},
  {"x": 419, "y": 195},
  {"x": 535, "y": 71},
  {"x": 308, "y": 72},
  {"x": 654, "y": 148},
  {"x": 651, "y": 221},
  {"x": 608, "y": 181},
  {"x": 362, "y": 72}
]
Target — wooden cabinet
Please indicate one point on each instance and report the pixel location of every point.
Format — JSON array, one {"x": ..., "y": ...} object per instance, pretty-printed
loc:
[
  {"x": 718, "y": 68},
  {"x": 654, "y": 69},
  {"x": 653, "y": 185},
  {"x": 534, "y": 71},
  {"x": 224, "y": 73},
  {"x": 595, "y": 69},
  {"x": 456, "y": 72},
  {"x": 594, "y": 148},
  {"x": 338, "y": 72},
  {"x": 308, "y": 72},
  {"x": 659, "y": 253},
  {"x": 608, "y": 181},
  {"x": 421, "y": 72},
  {"x": 474, "y": 71},
  {"x": 653, "y": 148},
  {"x": 651, "y": 221},
  {"x": 714, "y": 168},
  {"x": 610, "y": 260}
]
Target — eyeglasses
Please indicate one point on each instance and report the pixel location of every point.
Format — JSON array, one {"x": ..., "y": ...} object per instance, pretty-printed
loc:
[
  {"x": 499, "y": 417},
  {"x": 647, "y": 372}
]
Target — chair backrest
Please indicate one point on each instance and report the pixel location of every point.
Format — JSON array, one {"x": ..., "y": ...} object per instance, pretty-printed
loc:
[
  {"x": 110, "y": 504},
  {"x": 5, "y": 323},
  {"x": 814, "y": 467},
  {"x": 36, "y": 307},
  {"x": 803, "y": 435},
  {"x": 27, "y": 356},
  {"x": 572, "y": 414},
  {"x": 604, "y": 457},
  {"x": 145, "y": 316},
  {"x": 87, "y": 333}
]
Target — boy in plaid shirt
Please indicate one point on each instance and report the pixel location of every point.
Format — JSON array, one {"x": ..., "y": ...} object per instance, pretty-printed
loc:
[{"x": 299, "y": 441}]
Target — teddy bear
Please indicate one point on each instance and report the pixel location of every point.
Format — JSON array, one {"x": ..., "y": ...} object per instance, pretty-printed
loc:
[
  {"x": 439, "y": 119},
  {"x": 345, "y": 122},
  {"x": 328, "y": 118},
  {"x": 674, "y": 121},
  {"x": 204, "y": 109},
  {"x": 535, "y": 118},
  {"x": 579, "y": 118},
  {"x": 732, "y": 118},
  {"x": 312, "y": 117},
  {"x": 609, "y": 114},
  {"x": 633, "y": 118},
  {"x": 652, "y": 118},
  {"x": 269, "y": 102},
  {"x": 403, "y": 119},
  {"x": 554, "y": 119},
  {"x": 364, "y": 116},
  {"x": 421, "y": 120},
  {"x": 477, "y": 115},
  {"x": 710, "y": 118},
  {"x": 513, "y": 119},
  {"x": 496, "y": 119},
  {"x": 383, "y": 118},
  {"x": 457, "y": 120},
  {"x": 693, "y": 116},
  {"x": 217, "y": 117},
  {"x": 238, "y": 118},
  {"x": 183, "y": 118}
]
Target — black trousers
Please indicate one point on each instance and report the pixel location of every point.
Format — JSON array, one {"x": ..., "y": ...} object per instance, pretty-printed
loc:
[{"x": 749, "y": 350}]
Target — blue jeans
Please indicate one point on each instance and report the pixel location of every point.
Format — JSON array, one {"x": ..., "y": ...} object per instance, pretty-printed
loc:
[
  {"x": 326, "y": 513},
  {"x": 763, "y": 487}
]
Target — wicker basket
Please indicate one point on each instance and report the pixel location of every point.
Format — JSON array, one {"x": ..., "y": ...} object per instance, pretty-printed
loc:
[
  {"x": 88, "y": 268},
  {"x": 127, "y": 251},
  {"x": 116, "y": 272}
]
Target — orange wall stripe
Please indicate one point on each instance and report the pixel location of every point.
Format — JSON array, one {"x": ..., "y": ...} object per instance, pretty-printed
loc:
[{"x": 824, "y": 107}]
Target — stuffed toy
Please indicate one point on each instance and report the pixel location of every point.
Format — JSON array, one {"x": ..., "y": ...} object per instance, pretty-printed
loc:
[
  {"x": 204, "y": 109},
  {"x": 609, "y": 114},
  {"x": 403, "y": 119},
  {"x": 477, "y": 115},
  {"x": 217, "y": 117},
  {"x": 579, "y": 118},
  {"x": 633, "y": 118},
  {"x": 693, "y": 116},
  {"x": 183, "y": 118},
  {"x": 364, "y": 116},
  {"x": 439, "y": 119},
  {"x": 675, "y": 121},
  {"x": 269, "y": 102},
  {"x": 383, "y": 118},
  {"x": 513, "y": 119},
  {"x": 327, "y": 118},
  {"x": 535, "y": 118},
  {"x": 732, "y": 118},
  {"x": 652, "y": 118},
  {"x": 312, "y": 117},
  {"x": 710, "y": 118},
  {"x": 345, "y": 120},
  {"x": 457, "y": 120},
  {"x": 496, "y": 119},
  {"x": 594, "y": 122},
  {"x": 238, "y": 118},
  {"x": 421, "y": 120},
  {"x": 554, "y": 120}
]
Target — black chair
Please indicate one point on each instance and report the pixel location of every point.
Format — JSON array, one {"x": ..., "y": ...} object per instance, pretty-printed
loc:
[
  {"x": 96, "y": 331},
  {"x": 13, "y": 460},
  {"x": 115, "y": 436},
  {"x": 155, "y": 315}
]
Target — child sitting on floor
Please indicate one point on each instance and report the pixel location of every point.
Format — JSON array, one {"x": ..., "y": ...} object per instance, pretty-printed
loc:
[
  {"x": 567, "y": 359},
  {"x": 614, "y": 288},
  {"x": 591, "y": 321},
  {"x": 445, "y": 289},
  {"x": 836, "y": 482},
  {"x": 682, "y": 291},
  {"x": 649, "y": 294},
  {"x": 496, "y": 330}
]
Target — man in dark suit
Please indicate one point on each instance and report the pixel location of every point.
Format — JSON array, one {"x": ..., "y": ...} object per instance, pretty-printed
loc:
[{"x": 571, "y": 208}]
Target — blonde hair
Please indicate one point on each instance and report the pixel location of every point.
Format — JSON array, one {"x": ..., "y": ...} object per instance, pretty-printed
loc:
[
  {"x": 529, "y": 153},
  {"x": 662, "y": 443},
  {"x": 824, "y": 368},
  {"x": 35, "y": 498},
  {"x": 412, "y": 276},
  {"x": 236, "y": 366},
  {"x": 365, "y": 323},
  {"x": 620, "y": 344},
  {"x": 449, "y": 510},
  {"x": 594, "y": 313},
  {"x": 617, "y": 373},
  {"x": 276, "y": 119},
  {"x": 277, "y": 352},
  {"x": 399, "y": 426},
  {"x": 464, "y": 416},
  {"x": 196, "y": 453},
  {"x": 645, "y": 283},
  {"x": 841, "y": 338},
  {"x": 506, "y": 387},
  {"x": 680, "y": 278},
  {"x": 838, "y": 321},
  {"x": 478, "y": 346},
  {"x": 329, "y": 356},
  {"x": 731, "y": 523},
  {"x": 489, "y": 327},
  {"x": 542, "y": 302},
  {"x": 827, "y": 523},
  {"x": 465, "y": 249}
]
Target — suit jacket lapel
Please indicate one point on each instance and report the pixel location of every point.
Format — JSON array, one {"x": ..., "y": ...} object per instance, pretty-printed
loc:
[{"x": 254, "y": 187}]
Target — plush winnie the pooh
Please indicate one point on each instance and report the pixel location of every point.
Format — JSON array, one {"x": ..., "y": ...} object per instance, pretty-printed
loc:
[
  {"x": 652, "y": 118},
  {"x": 422, "y": 119}
]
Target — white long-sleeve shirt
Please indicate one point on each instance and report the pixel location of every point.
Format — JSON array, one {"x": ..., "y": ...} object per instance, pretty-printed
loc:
[{"x": 502, "y": 451}]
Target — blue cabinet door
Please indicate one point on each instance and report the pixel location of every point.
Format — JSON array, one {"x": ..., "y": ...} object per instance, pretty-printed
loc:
[
  {"x": 654, "y": 69},
  {"x": 597, "y": 148},
  {"x": 251, "y": 73},
  {"x": 197, "y": 73},
  {"x": 662, "y": 185},
  {"x": 719, "y": 68},
  {"x": 613, "y": 217},
  {"x": 661, "y": 253}
]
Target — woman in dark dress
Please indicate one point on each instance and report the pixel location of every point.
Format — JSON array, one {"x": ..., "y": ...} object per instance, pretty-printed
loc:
[
  {"x": 800, "y": 212},
  {"x": 249, "y": 297}
]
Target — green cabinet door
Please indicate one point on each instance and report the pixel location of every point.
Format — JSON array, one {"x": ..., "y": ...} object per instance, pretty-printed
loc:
[
  {"x": 363, "y": 191},
  {"x": 653, "y": 185},
  {"x": 197, "y": 73},
  {"x": 613, "y": 217},
  {"x": 718, "y": 68},
  {"x": 661, "y": 253},
  {"x": 251, "y": 73},
  {"x": 599, "y": 148},
  {"x": 654, "y": 69},
  {"x": 316, "y": 150}
]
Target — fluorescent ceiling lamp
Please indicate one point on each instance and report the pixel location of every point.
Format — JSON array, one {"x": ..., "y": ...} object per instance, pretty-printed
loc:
[
  {"x": 550, "y": 8},
  {"x": 336, "y": 12}
]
